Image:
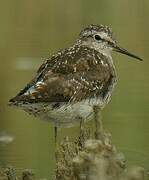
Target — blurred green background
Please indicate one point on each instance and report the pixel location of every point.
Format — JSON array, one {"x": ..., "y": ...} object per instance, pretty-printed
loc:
[{"x": 32, "y": 29}]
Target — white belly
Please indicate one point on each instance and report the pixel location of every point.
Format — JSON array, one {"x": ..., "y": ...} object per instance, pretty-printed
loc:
[{"x": 66, "y": 114}]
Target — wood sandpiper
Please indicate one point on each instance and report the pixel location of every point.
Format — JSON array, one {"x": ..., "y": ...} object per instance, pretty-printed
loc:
[{"x": 70, "y": 83}]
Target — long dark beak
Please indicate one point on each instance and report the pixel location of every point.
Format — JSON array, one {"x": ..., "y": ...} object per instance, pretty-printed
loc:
[{"x": 124, "y": 51}]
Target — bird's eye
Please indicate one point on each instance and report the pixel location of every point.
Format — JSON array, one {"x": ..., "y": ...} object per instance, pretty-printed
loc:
[{"x": 97, "y": 37}]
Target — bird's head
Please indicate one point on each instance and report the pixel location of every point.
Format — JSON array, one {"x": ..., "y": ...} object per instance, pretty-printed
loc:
[{"x": 101, "y": 39}]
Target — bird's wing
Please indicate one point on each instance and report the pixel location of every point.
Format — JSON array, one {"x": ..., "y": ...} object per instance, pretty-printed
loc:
[{"x": 68, "y": 77}]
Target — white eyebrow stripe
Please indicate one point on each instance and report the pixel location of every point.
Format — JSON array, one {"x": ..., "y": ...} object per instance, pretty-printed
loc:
[{"x": 102, "y": 34}]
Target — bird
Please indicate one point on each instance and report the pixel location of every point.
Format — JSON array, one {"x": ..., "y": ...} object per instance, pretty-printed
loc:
[{"x": 71, "y": 82}]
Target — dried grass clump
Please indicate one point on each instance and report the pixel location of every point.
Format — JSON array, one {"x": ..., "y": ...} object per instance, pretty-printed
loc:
[
  {"x": 93, "y": 159},
  {"x": 10, "y": 174}
]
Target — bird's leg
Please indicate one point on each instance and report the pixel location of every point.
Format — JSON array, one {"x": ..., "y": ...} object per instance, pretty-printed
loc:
[
  {"x": 56, "y": 145},
  {"x": 55, "y": 134},
  {"x": 81, "y": 124},
  {"x": 81, "y": 136},
  {"x": 81, "y": 127},
  {"x": 98, "y": 122}
]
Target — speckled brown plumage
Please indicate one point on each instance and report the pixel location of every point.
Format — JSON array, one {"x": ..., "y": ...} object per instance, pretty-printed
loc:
[{"x": 71, "y": 75}]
